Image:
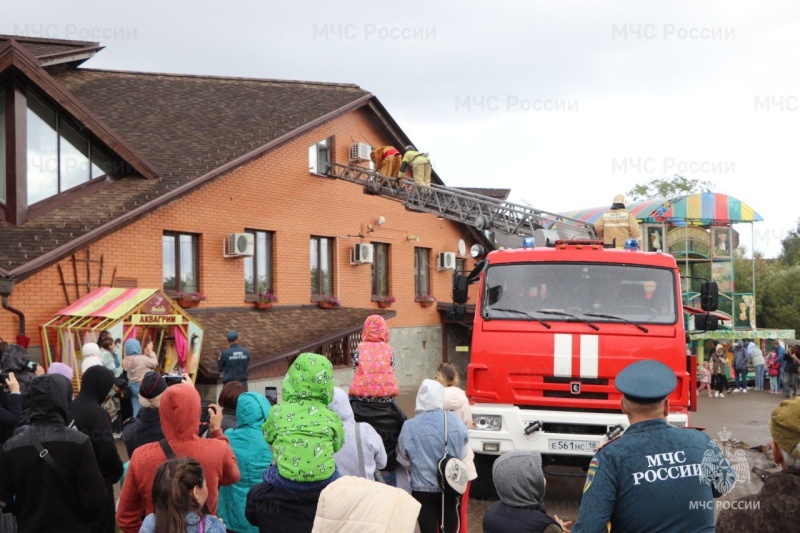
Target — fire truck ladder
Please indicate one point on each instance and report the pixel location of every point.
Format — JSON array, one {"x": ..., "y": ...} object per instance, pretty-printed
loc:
[{"x": 482, "y": 212}]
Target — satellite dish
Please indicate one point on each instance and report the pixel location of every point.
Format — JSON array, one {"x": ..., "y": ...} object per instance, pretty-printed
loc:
[{"x": 462, "y": 247}]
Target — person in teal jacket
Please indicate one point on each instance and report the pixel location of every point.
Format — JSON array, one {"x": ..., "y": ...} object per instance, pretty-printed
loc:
[{"x": 253, "y": 456}]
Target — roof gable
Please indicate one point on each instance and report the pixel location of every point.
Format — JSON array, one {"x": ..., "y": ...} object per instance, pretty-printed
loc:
[
  {"x": 56, "y": 51},
  {"x": 15, "y": 58}
]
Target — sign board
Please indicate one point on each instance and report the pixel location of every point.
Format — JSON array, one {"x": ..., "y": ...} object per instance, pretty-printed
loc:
[
  {"x": 157, "y": 305},
  {"x": 156, "y": 320}
]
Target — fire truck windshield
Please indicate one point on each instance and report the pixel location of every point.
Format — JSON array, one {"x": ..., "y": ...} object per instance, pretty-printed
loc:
[{"x": 545, "y": 290}]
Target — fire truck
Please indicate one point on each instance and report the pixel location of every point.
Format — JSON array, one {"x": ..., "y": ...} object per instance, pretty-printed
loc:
[
  {"x": 554, "y": 324},
  {"x": 553, "y": 327}
]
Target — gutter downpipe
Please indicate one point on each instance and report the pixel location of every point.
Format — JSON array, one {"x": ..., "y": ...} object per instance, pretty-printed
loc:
[{"x": 6, "y": 288}]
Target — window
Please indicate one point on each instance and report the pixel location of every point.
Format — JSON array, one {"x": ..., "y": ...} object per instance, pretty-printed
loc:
[
  {"x": 543, "y": 290},
  {"x": 2, "y": 146},
  {"x": 380, "y": 270},
  {"x": 319, "y": 155},
  {"x": 258, "y": 269},
  {"x": 59, "y": 156},
  {"x": 422, "y": 271},
  {"x": 181, "y": 273},
  {"x": 321, "y": 266}
]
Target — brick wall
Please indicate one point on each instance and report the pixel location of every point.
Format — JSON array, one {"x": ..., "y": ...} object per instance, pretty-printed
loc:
[{"x": 274, "y": 193}]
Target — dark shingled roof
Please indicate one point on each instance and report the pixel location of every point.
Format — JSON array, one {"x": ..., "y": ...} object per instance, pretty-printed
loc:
[
  {"x": 275, "y": 334},
  {"x": 186, "y": 127},
  {"x": 41, "y": 47}
]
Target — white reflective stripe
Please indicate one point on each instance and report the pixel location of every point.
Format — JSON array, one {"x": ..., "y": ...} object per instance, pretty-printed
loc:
[
  {"x": 562, "y": 355},
  {"x": 589, "y": 356}
]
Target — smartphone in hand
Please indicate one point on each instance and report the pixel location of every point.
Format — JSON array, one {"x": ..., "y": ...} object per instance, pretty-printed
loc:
[{"x": 272, "y": 394}]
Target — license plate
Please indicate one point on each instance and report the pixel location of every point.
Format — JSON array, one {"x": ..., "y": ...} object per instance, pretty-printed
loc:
[{"x": 562, "y": 445}]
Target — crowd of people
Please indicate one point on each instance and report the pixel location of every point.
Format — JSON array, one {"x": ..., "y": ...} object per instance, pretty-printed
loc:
[
  {"x": 324, "y": 458},
  {"x": 778, "y": 369}
]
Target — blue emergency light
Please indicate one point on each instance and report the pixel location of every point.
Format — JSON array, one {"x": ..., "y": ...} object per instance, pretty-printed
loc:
[
  {"x": 528, "y": 242},
  {"x": 631, "y": 245}
]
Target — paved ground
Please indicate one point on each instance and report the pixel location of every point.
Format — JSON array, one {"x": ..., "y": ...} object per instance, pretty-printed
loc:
[{"x": 744, "y": 416}]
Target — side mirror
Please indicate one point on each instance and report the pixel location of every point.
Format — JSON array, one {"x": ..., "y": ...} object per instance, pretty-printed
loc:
[
  {"x": 460, "y": 289},
  {"x": 706, "y": 322},
  {"x": 456, "y": 313},
  {"x": 709, "y": 296}
]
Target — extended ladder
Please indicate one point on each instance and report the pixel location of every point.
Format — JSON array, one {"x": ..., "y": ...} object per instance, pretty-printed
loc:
[{"x": 482, "y": 212}]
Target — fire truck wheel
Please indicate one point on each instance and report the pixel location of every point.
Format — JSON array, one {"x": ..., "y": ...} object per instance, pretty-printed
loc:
[{"x": 483, "y": 488}]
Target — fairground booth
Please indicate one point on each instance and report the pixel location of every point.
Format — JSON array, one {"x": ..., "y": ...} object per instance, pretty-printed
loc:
[
  {"x": 143, "y": 314},
  {"x": 697, "y": 229}
]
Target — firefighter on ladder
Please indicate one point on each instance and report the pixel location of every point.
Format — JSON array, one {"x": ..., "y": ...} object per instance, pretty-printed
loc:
[
  {"x": 386, "y": 159},
  {"x": 420, "y": 166},
  {"x": 617, "y": 224}
]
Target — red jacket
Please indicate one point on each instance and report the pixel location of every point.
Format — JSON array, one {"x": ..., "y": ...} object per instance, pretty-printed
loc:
[{"x": 180, "y": 419}]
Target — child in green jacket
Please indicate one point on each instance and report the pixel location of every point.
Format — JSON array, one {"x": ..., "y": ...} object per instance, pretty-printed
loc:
[{"x": 303, "y": 432}]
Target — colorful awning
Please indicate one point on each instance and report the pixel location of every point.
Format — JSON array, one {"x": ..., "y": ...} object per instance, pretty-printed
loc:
[
  {"x": 108, "y": 302},
  {"x": 701, "y": 209}
]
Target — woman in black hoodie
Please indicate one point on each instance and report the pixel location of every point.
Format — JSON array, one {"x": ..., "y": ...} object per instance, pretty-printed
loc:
[
  {"x": 45, "y": 498},
  {"x": 89, "y": 416}
]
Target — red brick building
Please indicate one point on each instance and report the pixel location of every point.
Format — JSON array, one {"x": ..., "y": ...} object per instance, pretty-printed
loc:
[{"x": 133, "y": 179}]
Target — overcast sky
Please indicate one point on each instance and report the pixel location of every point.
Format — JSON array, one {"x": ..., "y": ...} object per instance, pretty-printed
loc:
[{"x": 565, "y": 102}]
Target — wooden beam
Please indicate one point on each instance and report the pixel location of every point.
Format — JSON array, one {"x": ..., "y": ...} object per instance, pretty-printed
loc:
[{"x": 63, "y": 283}]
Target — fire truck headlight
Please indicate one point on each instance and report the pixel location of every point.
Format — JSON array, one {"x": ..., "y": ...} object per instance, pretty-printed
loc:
[{"x": 488, "y": 422}]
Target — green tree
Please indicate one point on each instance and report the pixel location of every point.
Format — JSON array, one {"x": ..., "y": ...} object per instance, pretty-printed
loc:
[
  {"x": 790, "y": 247},
  {"x": 677, "y": 185},
  {"x": 778, "y": 308}
]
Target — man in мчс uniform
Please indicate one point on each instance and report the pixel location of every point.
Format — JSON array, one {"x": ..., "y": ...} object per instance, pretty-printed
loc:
[
  {"x": 655, "y": 477},
  {"x": 234, "y": 361}
]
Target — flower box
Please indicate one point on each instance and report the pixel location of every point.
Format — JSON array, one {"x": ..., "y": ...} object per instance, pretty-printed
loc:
[
  {"x": 263, "y": 305},
  {"x": 187, "y": 304},
  {"x": 329, "y": 302},
  {"x": 188, "y": 300},
  {"x": 426, "y": 300},
  {"x": 384, "y": 301}
]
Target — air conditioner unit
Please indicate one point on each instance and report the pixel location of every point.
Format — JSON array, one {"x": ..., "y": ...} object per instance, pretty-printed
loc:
[
  {"x": 360, "y": 152},
  {"x": 446, "y": 261},
  {"x": 362, "y": 253},
  {"x": 240, "y": 244}
]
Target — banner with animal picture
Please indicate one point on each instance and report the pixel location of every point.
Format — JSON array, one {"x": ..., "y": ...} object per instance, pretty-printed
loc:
[
  {"x": 744, "y": 310},
  {"x": 654, "y": 237},
  {"x": 722, "y": 273},
  {"x": 722, "y": 241}
]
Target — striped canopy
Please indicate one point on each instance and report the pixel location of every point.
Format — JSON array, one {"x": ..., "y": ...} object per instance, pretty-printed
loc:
[
  {"x": 701, "y": 209},
  {"x": 107, "y": 302}
]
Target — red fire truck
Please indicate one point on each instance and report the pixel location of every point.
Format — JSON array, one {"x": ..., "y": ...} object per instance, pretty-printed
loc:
[{"x": 553, "y": 327}]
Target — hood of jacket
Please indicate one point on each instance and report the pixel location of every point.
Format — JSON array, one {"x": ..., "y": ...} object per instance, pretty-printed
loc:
[
  {"x": 375, "y": 329},
  {"x": 252, "y": 410},
  {"x": 454, "y": 398},
  {"x": 96, "y": 384},
  {"x": 430, "y": 396},
  {"x": 739, "y": 346},
  {"x": 179, "y": 412},
  {"x": 133, "y": 347},
  {"x": 309, "y": 378},
  {"x": 519, "y": 478},
  {"x": 15, "y": 358},
  {"x": 751, "y": 346},
  {"x": 50, "y": 396},
  {"x": 341, "y": 406}
]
